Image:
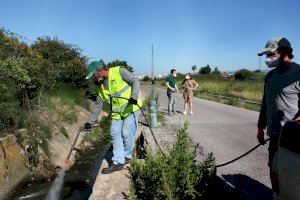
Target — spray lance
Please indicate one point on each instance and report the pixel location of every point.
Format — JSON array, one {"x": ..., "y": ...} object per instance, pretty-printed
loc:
[
  {"x": 73, "y": 148},
  {"x": 67, "y": 161}
]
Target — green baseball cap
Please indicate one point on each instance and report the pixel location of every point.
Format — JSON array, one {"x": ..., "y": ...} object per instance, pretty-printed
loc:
[
  {"x": 92, "y": 68},
  {"x": 273, "y": 44}
]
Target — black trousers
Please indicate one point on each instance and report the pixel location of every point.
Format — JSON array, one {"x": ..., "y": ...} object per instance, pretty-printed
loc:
[{"x": 273, "y": 148}]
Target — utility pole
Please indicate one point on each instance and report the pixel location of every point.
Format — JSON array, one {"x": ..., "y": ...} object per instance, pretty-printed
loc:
[
  {"x": 152, "y": 64},
  {"x": 153, "y": 102}
]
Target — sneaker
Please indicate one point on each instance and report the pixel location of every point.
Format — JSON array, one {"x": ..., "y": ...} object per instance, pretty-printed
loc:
[
  {"x": 191, "y": 113},
  {"x": 171, "y": 113},
  {"x": 112, "y": 168},
  {"x": 184, "y": 112}
]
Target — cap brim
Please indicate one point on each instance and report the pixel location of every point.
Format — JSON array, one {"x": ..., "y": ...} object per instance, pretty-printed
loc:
[{"x": 265, "y": 51}]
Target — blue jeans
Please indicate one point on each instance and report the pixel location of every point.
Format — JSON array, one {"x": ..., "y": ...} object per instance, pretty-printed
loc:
[
  {"x": 122, "y": 132},
  {"x": 172, "y": 102}
]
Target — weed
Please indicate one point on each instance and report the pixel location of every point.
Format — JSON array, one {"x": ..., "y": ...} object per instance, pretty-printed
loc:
[
  {"x": 64, "y": 131},
  {"x": 175, "y": 176}
]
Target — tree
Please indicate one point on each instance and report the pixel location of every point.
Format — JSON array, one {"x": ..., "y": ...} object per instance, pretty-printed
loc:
[
  {"x": 243, "y": 74},
  {"x": 194, "y": 67},
  {"x": 62, "y": 62},
  {"x": 146, "y": 78},
  {"x": 120, "y": 63},
  {"x": 205, "y": 70},
  {"x": 216, "y": 71}
]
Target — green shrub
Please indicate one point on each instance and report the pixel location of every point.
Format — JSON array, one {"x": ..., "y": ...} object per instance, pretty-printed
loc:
[
  {"x": 13, "y": 80},
  {"x": 121, "y": 63},
  {"x": 64, "y": 131},
  {"x": 146, "y": 79},
  {"x": 205, "y": 70},
  {"x": 61, "y": 62},
  {"x": 26, "y": 72},
  {"x": 243, "y": 74},
  {"x": 173, "y": 176}
]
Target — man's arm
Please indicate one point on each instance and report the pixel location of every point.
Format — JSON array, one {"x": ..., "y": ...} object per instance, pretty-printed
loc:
[
  {"x": 131, "y": 80},
  {"x": 262, "y": 119},
  {"x": 195, "y": 85},
  {"x": 176, "y": 88},
  {"x": 96, "y": 110},
  {"x": 168, "y": 86},
  {"x": 262, "y": 122}
]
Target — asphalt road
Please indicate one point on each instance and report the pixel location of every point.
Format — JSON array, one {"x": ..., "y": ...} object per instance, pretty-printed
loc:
[{"x": 228, "y": 132}]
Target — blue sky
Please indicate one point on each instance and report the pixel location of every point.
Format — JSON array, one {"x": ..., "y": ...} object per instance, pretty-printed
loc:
[{"x": 223, "y": 33}]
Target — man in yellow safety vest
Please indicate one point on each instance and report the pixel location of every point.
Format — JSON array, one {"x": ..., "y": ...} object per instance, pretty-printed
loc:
[{"x": 119, "y": 88}]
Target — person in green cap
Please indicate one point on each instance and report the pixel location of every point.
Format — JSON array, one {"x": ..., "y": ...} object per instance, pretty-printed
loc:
[{"x": 110, "y": 84}]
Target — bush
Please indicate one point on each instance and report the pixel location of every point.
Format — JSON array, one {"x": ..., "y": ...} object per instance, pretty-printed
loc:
[
  {"x": 146, "y": 79},
  {"x": 61, "y": 62},
  {"x": 205, "y": 70},
  {"x": 243, "y": 74},
  {"x": 175, "y": 176},
  {"x": 121, "y": 63},
  {"x": 216, "y": 71},
  {"x": 13, "y": 80},
  {"x": 28, "y": 71}
]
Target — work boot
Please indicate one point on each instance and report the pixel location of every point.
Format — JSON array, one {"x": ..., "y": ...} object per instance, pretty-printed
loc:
[
  {"x": 112, "y": 168},
  {"x": 127, "y": 163}
]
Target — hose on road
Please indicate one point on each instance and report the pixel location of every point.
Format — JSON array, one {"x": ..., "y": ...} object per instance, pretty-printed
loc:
[{"x": 241, "y": 156}]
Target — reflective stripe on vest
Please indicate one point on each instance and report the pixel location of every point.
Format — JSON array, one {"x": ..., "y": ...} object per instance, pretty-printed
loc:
[{"x": 118, "y": 93}]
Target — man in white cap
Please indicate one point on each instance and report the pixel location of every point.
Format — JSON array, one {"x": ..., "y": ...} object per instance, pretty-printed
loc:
[{"x": 280, "y": 101}]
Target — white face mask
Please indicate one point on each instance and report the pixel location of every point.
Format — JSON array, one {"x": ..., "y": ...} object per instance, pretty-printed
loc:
[
  {"x": 187, "y": 77},
  {"x": 174, "y": 75},
  {"x": 272, "y": 61}
]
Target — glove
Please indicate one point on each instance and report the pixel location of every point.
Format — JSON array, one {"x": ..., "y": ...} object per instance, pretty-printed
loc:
[
  {"x": 87, "y": 126},
  {"x": 261, "y": 136},
  {"x": 133, "y": 101}
]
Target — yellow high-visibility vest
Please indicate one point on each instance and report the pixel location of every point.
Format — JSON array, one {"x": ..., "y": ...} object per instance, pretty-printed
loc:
[{"x": 117, "y": 87}]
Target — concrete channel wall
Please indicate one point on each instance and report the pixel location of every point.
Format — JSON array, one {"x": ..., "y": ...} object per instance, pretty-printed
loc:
[
  {"x": 13, "y": 168},
  {"x": 13, "y": 157}
]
